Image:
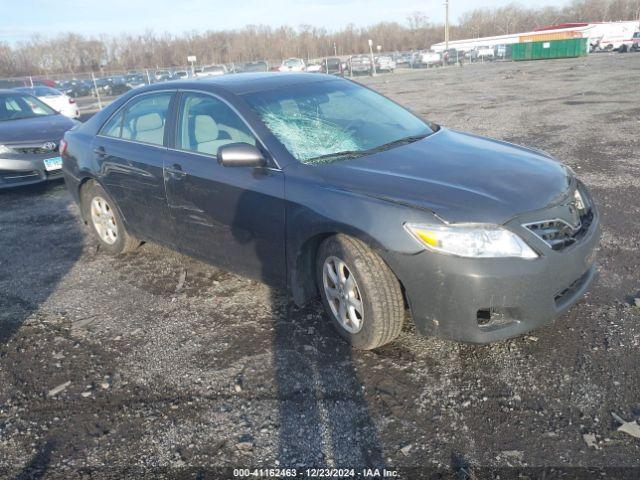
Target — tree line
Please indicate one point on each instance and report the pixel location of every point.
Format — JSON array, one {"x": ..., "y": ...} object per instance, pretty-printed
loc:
[{"x": 74, "y": 53}]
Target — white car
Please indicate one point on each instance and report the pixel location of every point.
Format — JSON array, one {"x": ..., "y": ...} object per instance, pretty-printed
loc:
[
  {"x": 314, "y": 68},
  {"x": 292, "y": 65},
  {"x": 430, "y": 59},
  {"x": 212, "y": 71},
  {"x": 54, "y": 98}
]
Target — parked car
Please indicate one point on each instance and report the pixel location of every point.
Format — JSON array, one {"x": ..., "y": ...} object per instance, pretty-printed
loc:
[
  {"x": 181, "y": 74},
  {"x": 78, "y": 88},
  {"x": 359, "y": 64},
  {"x": 314, "y": 68},
  {"x": 135, "y": 80},
  {"x": 162, "y": 75},
  {"x": 332, "y": 66},
  {"x": 635, "y": 45},
  {"x": 256, "y": 66},
  {"x": 292, "y": 65},
  {"x": 30, "y": 133},
  {"x": 482, "y": 239},
  {"x": 54, "y": 98},
  {"x": 212, "y": 71},
  {"x": 385, "y": 63},
  {"x": 431, "y": 59},
  {"x": 485, "y": 53},
  {"x": 451, "y": 56}
]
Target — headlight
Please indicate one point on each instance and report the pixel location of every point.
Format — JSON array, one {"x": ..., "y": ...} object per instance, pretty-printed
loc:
[
  {"x": 471, "y": 240},
  {"x": 5, "y": 149}
]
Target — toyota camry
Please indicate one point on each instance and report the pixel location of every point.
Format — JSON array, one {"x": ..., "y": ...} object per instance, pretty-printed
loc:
[
  {"x": 30, "y": 133},
  {"x": 329, "y": 189}
]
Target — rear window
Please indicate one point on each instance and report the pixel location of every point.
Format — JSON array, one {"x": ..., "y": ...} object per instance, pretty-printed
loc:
[{"x": 141, "y": 120}]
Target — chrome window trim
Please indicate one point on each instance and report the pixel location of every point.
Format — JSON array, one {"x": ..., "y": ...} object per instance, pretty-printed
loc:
[{"x": 240, "y": 116}]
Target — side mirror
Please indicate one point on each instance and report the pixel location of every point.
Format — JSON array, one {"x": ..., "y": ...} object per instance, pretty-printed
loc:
[{"x": 240, "y": 155}]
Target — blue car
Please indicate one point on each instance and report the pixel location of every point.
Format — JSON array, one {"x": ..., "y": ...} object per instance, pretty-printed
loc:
[{"x": 319, "y": 185}]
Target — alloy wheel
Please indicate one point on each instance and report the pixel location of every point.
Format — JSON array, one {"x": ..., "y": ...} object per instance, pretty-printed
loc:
[
  {"x": 104, "y": 220},
  {"x": 343, "y": 295}
]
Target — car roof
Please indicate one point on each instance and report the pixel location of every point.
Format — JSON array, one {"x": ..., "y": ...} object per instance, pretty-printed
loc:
[
  {"x": 242, "y": 83},
  {"x": 6, "y": 91}
]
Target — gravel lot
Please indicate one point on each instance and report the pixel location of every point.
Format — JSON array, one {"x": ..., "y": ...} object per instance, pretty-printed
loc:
[{"x": 163, "y": 363}]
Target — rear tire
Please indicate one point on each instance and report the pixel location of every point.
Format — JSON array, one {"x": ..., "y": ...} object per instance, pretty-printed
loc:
[
  {"x": 103, "y": 218},
  {"x": 366, "y": 304}
]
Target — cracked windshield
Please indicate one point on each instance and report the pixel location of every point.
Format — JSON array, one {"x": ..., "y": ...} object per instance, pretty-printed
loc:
[{"x": 327, "y": 121}]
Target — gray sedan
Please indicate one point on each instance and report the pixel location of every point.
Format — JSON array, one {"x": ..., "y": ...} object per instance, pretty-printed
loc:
[{"x": 30, "y": 133}]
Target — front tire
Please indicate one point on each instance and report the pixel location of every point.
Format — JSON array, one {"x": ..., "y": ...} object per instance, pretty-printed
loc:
[
  {"x": 359, "y": 292},
  {"x": 104, "y": 220}
]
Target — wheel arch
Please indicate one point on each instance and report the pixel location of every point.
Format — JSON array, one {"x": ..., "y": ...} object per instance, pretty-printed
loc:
[{"x": 302, "y": 277}]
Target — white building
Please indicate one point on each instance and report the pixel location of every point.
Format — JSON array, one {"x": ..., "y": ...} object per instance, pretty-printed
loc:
[{"x": 604, "y": 35}]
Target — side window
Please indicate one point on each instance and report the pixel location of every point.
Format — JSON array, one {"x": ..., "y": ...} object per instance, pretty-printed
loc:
[
  {"x": 206, "y": 123},
  {"x": 113, "y": 127},
  {"x": 142, "y": 120}
]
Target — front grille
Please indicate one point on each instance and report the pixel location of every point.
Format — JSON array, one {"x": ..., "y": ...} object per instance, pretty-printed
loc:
[
  {"x": 558, "y": 234},
  {"x": 37, "y": 149}
]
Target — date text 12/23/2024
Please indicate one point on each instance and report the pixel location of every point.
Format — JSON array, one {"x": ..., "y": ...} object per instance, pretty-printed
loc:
[{"x": 314, "y": 473}]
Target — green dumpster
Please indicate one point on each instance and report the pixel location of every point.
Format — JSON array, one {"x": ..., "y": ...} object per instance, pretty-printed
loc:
[{"x": 569, "y": 47}]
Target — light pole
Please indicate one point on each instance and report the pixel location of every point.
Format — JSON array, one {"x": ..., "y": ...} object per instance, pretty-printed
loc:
[
  {"x": 446, "y": 24},
  {"x": 373, "y": 63}
]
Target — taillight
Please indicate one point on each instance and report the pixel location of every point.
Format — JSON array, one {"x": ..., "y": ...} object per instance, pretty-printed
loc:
[
  {"x": 63, "y": 147},
  {"x": 72, "y": 100}
]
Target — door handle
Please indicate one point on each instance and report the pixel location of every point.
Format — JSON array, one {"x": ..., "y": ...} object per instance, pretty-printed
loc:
[
  {"x": 100, "y": 151},
  {"x": 175, "y": 171}
]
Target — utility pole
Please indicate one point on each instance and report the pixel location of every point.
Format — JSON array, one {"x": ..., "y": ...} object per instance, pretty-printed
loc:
[{"x": 446, "y": 24}]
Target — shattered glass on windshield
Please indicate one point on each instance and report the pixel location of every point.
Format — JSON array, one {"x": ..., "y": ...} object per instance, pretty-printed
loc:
[
  {"x": 309, "y": 136},
  {"x": 324, "y": 121}
]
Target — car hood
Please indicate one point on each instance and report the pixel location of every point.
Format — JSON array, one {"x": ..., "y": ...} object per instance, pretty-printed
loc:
[
  {"x": 35, "y": 129},
  {"x": 458, "y": 176}
]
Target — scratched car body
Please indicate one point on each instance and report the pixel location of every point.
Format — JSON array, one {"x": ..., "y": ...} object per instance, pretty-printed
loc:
[{"x": 324, "y": 187}]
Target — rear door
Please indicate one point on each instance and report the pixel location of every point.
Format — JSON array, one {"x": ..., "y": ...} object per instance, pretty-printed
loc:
[
  {"x": 231, "y": 216},
  {"x": 130, "y": 153}
]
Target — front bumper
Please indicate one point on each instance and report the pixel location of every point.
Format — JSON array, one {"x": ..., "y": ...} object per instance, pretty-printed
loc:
[
  {"x": 485, "y": 300},
  {"x": 26, "y": 169}
]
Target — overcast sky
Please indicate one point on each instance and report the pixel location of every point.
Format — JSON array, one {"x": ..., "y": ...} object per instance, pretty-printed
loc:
[{"x": 22, "y": 18}]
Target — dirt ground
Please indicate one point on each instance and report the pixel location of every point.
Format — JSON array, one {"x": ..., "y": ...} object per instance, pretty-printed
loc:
[{"x": 165, "y": 366}]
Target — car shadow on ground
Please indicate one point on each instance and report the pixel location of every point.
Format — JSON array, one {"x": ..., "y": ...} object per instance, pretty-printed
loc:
[
  {"x": 324, "y": 419},
  {"x": 33, "y": 261}
]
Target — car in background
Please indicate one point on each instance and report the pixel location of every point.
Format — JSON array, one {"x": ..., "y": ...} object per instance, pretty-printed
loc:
[
  {"x": 486, "y": 53},
  {"x": 635, "y": 45},
  {"x": 212, "y": 71},
  {"x": 136, "y": 80},
  {"x": 181, "y": 74},
  {"x": 54, "y": 98},
  {"x": 162, "y": 75},
  {"x": 253, "y": 66},
  {"x": 78, "y": 88},
  {"x": 30, "y": 133},
  {"x": 332, "y": 66},
  {"x": 314, "y": 68},
  {"x": 451, "y": 56},
  {"x": 292, "y": 65},
  {"x": 430, "y": 59},
  {"x": 385, "y": 63},
  {"x": 360, "y": 64}
]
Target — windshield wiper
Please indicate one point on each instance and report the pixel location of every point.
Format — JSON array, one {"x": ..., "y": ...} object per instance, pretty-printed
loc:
[
  {"x": 339, "y": 155},
  {"x": 395, "y": 143},
  {"x": 359, "y": 153}
]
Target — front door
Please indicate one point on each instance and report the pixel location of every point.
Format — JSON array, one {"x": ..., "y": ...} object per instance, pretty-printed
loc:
[{"x": 232, "y": 216}]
